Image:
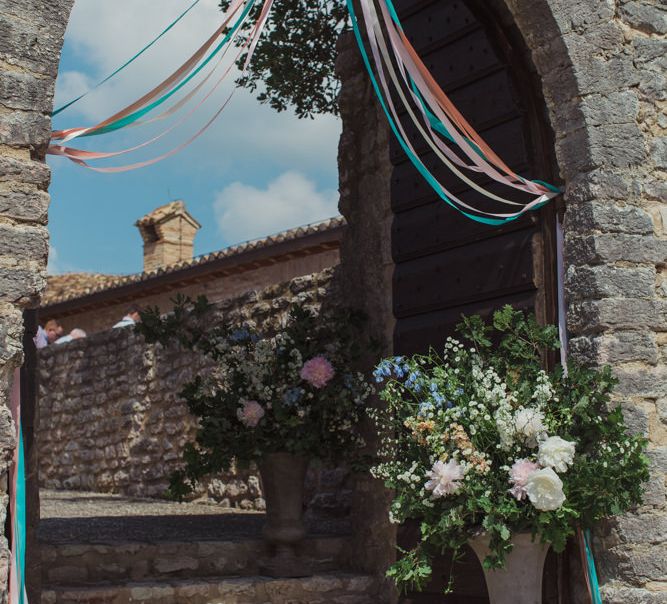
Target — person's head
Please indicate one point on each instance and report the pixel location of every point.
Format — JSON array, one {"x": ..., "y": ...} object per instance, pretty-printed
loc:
[
  {"x": 77, "y": 333},
  {"x": 134, "y": 312},
  {"x": 53, "y": 330}
]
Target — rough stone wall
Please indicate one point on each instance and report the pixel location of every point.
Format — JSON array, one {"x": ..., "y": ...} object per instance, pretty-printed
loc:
[
  {"x": 111, "y": 419},
  {"x": 216, "y": 289},
  {"x": 31, "y": 34},
  {"x": 365, "y": 272},
  {"x": 602, "y": 65}
]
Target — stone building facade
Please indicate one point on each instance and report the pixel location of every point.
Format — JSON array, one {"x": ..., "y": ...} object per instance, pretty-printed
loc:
[
  {"x": 95, "y": 302},
  {"x": 601, "y": 65}
]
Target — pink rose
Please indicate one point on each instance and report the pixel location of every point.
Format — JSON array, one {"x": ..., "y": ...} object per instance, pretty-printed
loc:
[
  {"x": 519, "y": 474},
  {"x": 317, "y": 372},
  {"x": 250, "y": 413}
]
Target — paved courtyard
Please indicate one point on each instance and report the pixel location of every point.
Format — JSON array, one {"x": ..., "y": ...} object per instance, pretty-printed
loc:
[{"x": 81, "y": 517}]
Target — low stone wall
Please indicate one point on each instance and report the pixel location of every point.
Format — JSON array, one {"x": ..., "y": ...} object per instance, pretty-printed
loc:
[{"x": 111, "y": 419}]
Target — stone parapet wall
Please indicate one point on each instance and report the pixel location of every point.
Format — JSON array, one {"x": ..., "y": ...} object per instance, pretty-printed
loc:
[
  {"x": 216, "y": 289},
  {"x": 111, "y": 419}
]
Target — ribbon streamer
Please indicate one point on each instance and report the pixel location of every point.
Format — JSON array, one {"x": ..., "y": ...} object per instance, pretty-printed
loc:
[
  {"x": 167, "y": 87},
  {"x": 128, "y": 62},
  {"x": 17, "y": 591},
  {"x": 78, "y": 155},
  {"x": 418, "y": 81}
]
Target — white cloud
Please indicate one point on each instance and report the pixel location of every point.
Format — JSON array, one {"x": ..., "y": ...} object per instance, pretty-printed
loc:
[
  {"x": 102, "y": 35},
  {"x": 246, "y": 212},
  {"x": 69, "y": 85},
  {"x": 53, "y": 267}
]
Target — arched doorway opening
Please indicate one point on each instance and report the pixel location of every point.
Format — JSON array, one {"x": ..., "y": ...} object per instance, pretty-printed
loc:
[{"x": 592, "y": 59}]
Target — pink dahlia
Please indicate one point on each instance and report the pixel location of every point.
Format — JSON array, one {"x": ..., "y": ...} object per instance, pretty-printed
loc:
[
  {"x": 520, "y": 472},
  {"x": 250, "y": 413},
  {"x": 317, "y": 372}
]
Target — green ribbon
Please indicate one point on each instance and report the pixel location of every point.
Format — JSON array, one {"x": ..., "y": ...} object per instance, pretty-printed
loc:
[
  {"x": 133, "y": 117},
  {"x": 436, "y": 124},
  {"x": 413, "y": 158},
  {"x": 128, "y": 62},
  {"x": 592, "y": 573}
]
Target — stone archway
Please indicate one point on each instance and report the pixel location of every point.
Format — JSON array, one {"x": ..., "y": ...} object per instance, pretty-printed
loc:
[{"x": 602, "y": 70}]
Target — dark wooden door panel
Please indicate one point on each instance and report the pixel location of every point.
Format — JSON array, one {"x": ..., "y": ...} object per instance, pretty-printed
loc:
[
  {"x": 445, "y": 264},
  {"x": 440, "y": 21},
  {"x": 435, "y": 228},
  {"x": 495, "y": 266},
  {"x": 418, "y": 332}
]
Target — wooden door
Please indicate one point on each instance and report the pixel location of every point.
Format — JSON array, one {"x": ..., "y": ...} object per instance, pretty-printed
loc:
[{"x": 445, "y": 264}]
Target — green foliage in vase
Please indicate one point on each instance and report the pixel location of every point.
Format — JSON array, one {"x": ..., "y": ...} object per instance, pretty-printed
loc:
[
  {"x": 481, "y": 438},
  {"x": 294, "y": 63},
  {"x": 295, "y": 390}
]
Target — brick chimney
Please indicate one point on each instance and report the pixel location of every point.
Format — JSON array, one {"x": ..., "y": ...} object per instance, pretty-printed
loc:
[{"x": 168, "y": 233}]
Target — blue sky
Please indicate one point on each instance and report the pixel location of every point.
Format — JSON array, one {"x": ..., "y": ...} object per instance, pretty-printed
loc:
[{"x": 252, "y": 173}]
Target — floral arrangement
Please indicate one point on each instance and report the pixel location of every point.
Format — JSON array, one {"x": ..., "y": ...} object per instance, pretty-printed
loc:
[
  {"x": 482, "y": 438},
  {"x": 292, "y": 391}
]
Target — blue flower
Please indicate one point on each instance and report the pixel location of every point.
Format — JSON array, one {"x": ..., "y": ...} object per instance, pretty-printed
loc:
[
  {"x": 348, "y": 381},
  {"x": 425, "y": 408},
  {"x": 293, "y": 396},
  {"x": 438, "y": 398},
  {"x": 239, "y": 335},
  {"x": 382, "y": 371},
  {"x": 458, "y": 391},
  {"x": 401, "y": 370}
]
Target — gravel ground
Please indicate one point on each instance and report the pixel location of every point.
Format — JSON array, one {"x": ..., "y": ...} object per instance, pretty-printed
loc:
[{"x": 79, "y": 517}]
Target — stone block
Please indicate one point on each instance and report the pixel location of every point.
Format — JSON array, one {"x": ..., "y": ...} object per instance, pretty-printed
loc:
[
  {"x": 605, "y": 216},
  {"x": 639, "y": 381},
  {"x": 26, "y": 92},
  {"x": 29, "y": 206},
  {"x": 644, "y": 16},
  {"x": 608, "y": 248},
  {"x": 595, "y": 316},
  {"x": 20, "y": 286},
  {"x": 617, "y": 347},
  {"x": 643, "y": 528},
  {"x": 26, "y": 242},
  {"x": 594, "y": 282},
  {"x": 175, "y": 564},
  {"x": 25, "y": 129},
  {"x": 24, "y": 170}
]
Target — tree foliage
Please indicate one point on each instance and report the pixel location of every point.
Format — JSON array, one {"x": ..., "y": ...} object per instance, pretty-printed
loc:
[{"x": 293, "y": 65}]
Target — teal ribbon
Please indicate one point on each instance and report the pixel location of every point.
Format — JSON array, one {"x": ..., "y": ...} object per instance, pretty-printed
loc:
[
  {"x": 20, "y": 520},
  {"x": 128, "y": 62},
  {"x": 133, "y": 117},
  {"x": 590, "y": 569},
  {"x": 413, "y": 158},
  {"x": 435, "y": 122}
]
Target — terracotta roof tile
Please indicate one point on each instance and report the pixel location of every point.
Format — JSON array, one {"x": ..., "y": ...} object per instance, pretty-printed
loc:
[{"x": 68, "y": 286}]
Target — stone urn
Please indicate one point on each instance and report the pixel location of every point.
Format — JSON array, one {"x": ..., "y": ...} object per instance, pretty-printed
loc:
[
  {"x": 283, "y": 476},
  {"x": 520, "y": 582}
]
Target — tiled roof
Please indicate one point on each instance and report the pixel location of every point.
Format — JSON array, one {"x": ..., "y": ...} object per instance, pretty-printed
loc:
[
  {"x": 73, "y": 285},
  {"x": 69, "y": 286}
]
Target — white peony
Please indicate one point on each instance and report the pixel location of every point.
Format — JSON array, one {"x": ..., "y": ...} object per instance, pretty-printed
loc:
[
  {"x": 529, "y": 425},
  {"x": 557, "y": 453},
  {"x": 444, "y": 478},
  {"x": 545, "y": 490}
]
